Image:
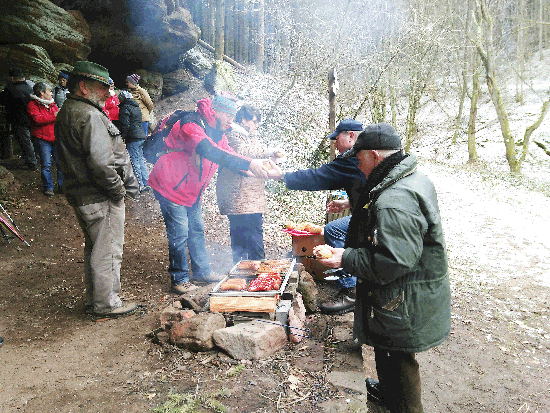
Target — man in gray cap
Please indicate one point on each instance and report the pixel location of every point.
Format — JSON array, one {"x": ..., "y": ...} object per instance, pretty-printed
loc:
[
  {"x": 340, "y": 173},
  {"x": 98, "y": 175},
  {"x": 396, "y": 249}
]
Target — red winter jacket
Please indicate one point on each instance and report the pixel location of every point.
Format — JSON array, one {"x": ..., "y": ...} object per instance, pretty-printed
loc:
[
  {"x": 42, "y": 119},
  {"x": 111, "y": 107},
  {"x": 181, "y": 176}
]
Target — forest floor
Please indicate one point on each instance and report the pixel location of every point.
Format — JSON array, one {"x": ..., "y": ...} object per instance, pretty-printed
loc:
[{"x": 55, "y": 358}]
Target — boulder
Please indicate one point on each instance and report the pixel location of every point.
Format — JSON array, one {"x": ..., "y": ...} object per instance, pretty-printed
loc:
[
  {"x": 221, "y": 78},
  {"x": 253, "y": 340},
  {"x": 32, "y": 59},
  {"x": 197, "y": 62},
  {"x": 308, "y": 289},
  {"x": 297, "y": 318},
  {"x": 152, "y": 82},
  {"x": 172, "y": 315},
  {"x": 196, "y": 333},
  {"x": 176, "y": 82},
  {"x": 65, "y": 36},
  {"x": 150, "y": 34}
]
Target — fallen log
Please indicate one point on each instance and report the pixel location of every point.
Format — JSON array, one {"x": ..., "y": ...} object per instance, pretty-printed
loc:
[{"x": 226, "y": 58}]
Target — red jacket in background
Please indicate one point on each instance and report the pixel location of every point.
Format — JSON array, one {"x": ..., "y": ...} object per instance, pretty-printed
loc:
[
  {"x": 42, "y": 119},
  {"x": 111, "y": 107}
]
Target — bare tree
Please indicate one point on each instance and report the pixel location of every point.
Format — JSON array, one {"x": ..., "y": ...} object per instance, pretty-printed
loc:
[{"x": 486, "y": 49}]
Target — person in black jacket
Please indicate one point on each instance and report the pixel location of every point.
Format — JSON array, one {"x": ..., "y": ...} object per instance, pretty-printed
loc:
[
  {"x": 15, "y": 98},
  {"x": 133, "y": 135},
  {"x": 340, "y": 173}
]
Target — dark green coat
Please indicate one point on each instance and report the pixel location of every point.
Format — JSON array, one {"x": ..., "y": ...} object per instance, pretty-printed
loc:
[{"x": 399, "y": 257}]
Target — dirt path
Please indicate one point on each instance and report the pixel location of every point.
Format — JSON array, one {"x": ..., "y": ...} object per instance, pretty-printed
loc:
[{"x": 56, "y": 359}]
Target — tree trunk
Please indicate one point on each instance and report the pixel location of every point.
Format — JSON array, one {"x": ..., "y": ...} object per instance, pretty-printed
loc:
[
  {"x": 230, "y": 32},
  {"x": 220, "y": 29},
  {"x": 464, "y": 86},
  {"x": 211, "y": 22},
  {"x": 260, "y": 38},
  {"x": 332, "y": 113},
  {"x": 244, "y": 35},
  {"x": 472, "y": 150},
  {"x": 520, "y": 51}
]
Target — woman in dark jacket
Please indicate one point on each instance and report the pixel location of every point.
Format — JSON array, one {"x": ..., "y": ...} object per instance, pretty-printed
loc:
[{"x": 133, "y": 135}]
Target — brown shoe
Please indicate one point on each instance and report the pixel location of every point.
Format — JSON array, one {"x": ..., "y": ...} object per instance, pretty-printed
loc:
[
  {"x": 123, "y": 311},
  {"x": 183, "y": 288}
]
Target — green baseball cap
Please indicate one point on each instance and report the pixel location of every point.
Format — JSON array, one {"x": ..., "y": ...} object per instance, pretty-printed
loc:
[{"x": 91, "y": 70}]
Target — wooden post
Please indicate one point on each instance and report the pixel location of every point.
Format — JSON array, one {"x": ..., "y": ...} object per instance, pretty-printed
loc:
[{"x": 332, "y": 112}]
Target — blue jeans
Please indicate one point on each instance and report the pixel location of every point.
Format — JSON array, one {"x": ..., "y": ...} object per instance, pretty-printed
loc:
[
  {"x": 335, "y": 236},
  {"x": 47, "y": 150},
  {"x": 247, "y": 237},
  {"x": 135, "y": 150},
  {"x": 185, "y": 230},
  {"x": 145, "y": 126}
]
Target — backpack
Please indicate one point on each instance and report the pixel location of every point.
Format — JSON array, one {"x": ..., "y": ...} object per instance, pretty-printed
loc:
[{"x": 153, "y": 147}]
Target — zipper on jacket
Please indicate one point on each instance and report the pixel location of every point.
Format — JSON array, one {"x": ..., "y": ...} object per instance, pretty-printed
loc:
[{"x": 180, "y": 182}]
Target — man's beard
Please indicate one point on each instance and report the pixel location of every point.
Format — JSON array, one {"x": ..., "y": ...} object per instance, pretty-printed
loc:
[{"x": 97, "y": 97}]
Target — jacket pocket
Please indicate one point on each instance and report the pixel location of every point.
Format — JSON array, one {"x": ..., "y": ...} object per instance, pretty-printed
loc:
[
  {"x": 92, "y": 213},
  {"x": 391, "y": 316}
]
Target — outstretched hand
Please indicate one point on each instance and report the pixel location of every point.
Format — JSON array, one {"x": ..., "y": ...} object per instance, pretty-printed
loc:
[
  {"x": 257, "y": 169},
  {"x": 338, "y": 205}
]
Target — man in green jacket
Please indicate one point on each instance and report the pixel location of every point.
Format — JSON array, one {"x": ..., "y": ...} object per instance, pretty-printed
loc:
[
  {"x": 98, "y": 175},
  {"x": 395, "y": 247}
]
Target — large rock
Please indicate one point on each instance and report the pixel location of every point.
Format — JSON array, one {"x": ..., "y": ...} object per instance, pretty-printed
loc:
[
  {"x": 296, "y": 320},
  {"x": 308, "y": 289},
  {"x": 253, "y": 340},
  {"x": 197, "y": 62},
  {"x": 221, "y": 78},
  {"x": 32, "y": 59},
  {"x": 152, "y": 82},
  {"x": 65, "y": 36},
  {"x": 176, "y": 82},
  {"x": 195, "y": 333},
  {"x": 141, "y": 34}
]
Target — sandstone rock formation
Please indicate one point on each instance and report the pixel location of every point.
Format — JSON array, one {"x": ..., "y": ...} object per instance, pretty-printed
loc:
[{"x": 64, "y": 36}]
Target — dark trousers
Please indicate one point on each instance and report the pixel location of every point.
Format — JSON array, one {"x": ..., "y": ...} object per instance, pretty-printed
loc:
[
  {"x": 399, "y": 377},
  {"x": 23, "y": 136},
  {"x": 247, "y": 237}
]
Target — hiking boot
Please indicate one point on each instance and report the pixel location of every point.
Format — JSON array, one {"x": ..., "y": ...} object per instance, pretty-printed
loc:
[
  {"x": 209, "y": 279},
  {"x": 374, "y": 393},
  {"x": 183, "y": 288},
  {"x": 343, "y": 303},
  {"x": 48, "y": 192},
  {"x": 123, "y": 311}
]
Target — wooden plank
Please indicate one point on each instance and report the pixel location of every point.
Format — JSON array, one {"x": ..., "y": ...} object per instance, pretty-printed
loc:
[{"x": 248, "y": 304}]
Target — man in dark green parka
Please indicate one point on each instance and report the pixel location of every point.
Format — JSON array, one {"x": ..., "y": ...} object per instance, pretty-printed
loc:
[{"x": 395, "y": 247}]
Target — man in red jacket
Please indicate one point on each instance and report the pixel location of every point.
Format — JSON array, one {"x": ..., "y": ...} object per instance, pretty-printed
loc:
[{"x": 195, "y": 147}]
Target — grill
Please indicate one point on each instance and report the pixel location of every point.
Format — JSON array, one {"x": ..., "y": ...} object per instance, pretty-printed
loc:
[{"x": 250, "y": 301}]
